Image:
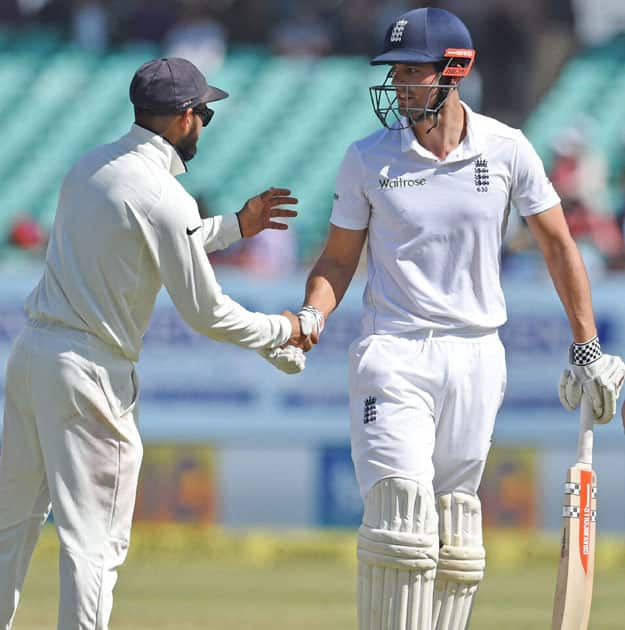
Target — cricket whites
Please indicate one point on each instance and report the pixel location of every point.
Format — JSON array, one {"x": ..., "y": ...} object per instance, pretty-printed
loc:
[{"x": 573, "y": 598}]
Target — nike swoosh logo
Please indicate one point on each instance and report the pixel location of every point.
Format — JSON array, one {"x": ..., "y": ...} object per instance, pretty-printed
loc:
[{"x": 189, "y": 232}]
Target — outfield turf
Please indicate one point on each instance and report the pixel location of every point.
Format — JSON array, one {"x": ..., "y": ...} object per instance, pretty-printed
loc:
[{"x": 160, "y": 588}]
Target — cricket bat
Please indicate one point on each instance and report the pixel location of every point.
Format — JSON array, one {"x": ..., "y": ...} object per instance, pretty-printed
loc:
[{"x": 573, "y": 598}]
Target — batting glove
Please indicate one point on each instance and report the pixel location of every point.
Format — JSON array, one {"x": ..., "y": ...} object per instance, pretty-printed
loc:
[
  {"x": 289, "y": 359},
  {"x": 311, "y": 321},
  {"x": 599, "y": 376}
]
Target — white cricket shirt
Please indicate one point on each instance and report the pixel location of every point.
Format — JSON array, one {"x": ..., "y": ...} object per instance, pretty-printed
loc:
[
  {"x": 124, "y": 227},
  {"x": 435, "y": 227}
]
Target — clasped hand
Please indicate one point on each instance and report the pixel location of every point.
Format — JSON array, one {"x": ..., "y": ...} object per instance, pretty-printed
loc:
[{"x": 306, "y": 327}]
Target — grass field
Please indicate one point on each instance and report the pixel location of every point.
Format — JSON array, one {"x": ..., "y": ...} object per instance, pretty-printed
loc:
[{"x": 212, "y": 580}]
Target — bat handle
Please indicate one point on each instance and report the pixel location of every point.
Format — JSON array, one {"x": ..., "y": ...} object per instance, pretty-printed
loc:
[{"x": 586, "y": 424}]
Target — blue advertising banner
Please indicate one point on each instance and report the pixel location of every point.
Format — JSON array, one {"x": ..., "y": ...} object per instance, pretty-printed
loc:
[
  {"x": 193, "y": 388},
  {"x": 340, "y": 504}
]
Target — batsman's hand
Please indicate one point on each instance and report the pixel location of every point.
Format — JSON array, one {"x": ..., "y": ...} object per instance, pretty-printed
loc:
[
  {"x": 601, "y": 380},
  {"x": 298, "y": 338},
  {"x": 311, "y": 321},
  {"x": 259, "y": 212},
  {"x": 288, "y": 359}
]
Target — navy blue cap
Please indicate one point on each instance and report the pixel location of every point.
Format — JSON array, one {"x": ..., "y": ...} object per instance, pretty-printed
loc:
[
  {"x": 423, "y": 36},
  {"x": 171, "y": 85}
]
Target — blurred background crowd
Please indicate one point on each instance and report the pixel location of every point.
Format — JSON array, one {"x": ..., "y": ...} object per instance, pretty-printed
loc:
[{"x": 550, "y": 67}]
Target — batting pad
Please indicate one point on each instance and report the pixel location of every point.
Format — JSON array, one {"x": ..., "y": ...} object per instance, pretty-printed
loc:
[
  {"x": 461, "y": 560},
  {"x": 397, "y": 553}
]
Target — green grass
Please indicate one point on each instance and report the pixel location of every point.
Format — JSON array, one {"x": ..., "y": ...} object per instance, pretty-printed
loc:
[{"x": 210, "y": 579}]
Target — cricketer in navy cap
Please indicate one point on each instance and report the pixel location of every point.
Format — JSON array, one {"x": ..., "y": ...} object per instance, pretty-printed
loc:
[
  {"x": 164, "y": 89},
  {"x": 171, "y": 85}
]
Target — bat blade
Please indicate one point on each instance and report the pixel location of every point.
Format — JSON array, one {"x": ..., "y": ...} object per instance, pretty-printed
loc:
[{"x": 573, "y": 597}]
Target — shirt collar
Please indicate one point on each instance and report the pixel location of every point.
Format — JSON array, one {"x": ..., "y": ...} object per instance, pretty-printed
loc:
[
  {"x": 469, "y": 148},
  {"x": 156, "y": 148}
]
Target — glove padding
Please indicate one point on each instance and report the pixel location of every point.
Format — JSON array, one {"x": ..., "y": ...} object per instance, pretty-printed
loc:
[
  {"x": 600, "y": 380},
  {"x": 289, "y": 359},
  {"x": 311, "y": 321}
]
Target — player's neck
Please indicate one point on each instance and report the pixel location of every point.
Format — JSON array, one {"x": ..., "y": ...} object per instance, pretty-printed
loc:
[{"x": 449, "y": 132}]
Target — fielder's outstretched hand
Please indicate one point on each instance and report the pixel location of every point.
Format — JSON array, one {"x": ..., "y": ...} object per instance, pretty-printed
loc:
[
  {"x": 289, "y": 359},
  {"x": 601, "y": 380},
  {"x": 259, "y": 212}
]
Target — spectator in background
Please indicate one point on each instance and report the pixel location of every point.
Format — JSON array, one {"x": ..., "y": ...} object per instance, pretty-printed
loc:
[
  {"x": 601, "y": 231},
  {"x": 579, "y": 172},
  {"x": 599, "y": 20},
  {"x": 50, "y": 12},
  {"x": 506, "y": 63},
  {"x": 258, "y": 18},
  {"x": 579, "y": 175},
  {"x": 9, "y": 12},
  {"x": 149, "y": 20},
  {"x": 352, "y": 25},
  {"x": 31, "y": 7},
  {"x": 197, "y": 36},
  {"x": 26, "y": 233},
  {"x": 302, "y": 34},
  {"x": 90, "y": 25}
]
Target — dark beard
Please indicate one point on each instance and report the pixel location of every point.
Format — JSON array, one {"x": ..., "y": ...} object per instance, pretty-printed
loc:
[{"x": 187, "y": 147}]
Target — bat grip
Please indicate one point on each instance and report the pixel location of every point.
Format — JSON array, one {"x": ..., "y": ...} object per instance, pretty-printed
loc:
[{"x": 586, "y": 424}]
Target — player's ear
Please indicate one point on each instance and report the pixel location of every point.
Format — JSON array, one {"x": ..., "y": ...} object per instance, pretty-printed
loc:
[{"x": 185, "y": 120}]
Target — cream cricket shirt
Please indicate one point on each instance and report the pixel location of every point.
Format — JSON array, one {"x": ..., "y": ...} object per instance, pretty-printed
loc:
[
  {"x": 125, "y": 227},
  {"x": 436, "y": 226}
]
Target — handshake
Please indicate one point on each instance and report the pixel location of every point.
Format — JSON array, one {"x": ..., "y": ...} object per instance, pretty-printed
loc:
[{"x": 306, "y": 328}]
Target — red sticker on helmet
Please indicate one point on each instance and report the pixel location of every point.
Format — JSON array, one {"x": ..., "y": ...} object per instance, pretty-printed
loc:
[{"x": 459, "y": 53}]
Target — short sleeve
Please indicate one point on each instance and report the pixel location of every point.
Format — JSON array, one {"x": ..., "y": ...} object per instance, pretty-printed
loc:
[
  {"x": 532, "y": 192},
  {"x": 351, "y": 207}
]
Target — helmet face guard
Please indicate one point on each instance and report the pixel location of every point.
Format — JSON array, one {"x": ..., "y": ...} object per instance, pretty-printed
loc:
[{"x": 457, "y": 63}]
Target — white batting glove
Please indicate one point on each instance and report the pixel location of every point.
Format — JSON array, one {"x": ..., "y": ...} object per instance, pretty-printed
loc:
[
  {"x": 569, "y": 390},
  {"x": 599, "y": 376},
  {"x": 289, "y": 359},
  {"x": 311, "y": 321}
]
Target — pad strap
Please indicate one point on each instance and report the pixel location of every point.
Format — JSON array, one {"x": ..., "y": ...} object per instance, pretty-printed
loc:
[{"x": 396, "y": 550}]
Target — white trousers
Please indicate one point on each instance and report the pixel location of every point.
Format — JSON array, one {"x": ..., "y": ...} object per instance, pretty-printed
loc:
[
  {"x": 70, "y": 441},
  {"x": 423, "y": 407}
]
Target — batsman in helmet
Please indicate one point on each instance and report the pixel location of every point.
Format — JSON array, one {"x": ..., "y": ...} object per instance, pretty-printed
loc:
[{"x": 431, "y": 194}]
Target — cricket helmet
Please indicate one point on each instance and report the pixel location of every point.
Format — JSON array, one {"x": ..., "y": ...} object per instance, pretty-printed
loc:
[{"x": 422, "y": 36}]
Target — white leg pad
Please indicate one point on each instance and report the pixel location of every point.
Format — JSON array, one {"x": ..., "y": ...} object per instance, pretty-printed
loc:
[
  {"x": 397, "y": 554},
  {"x": 462, "y": 559}
]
